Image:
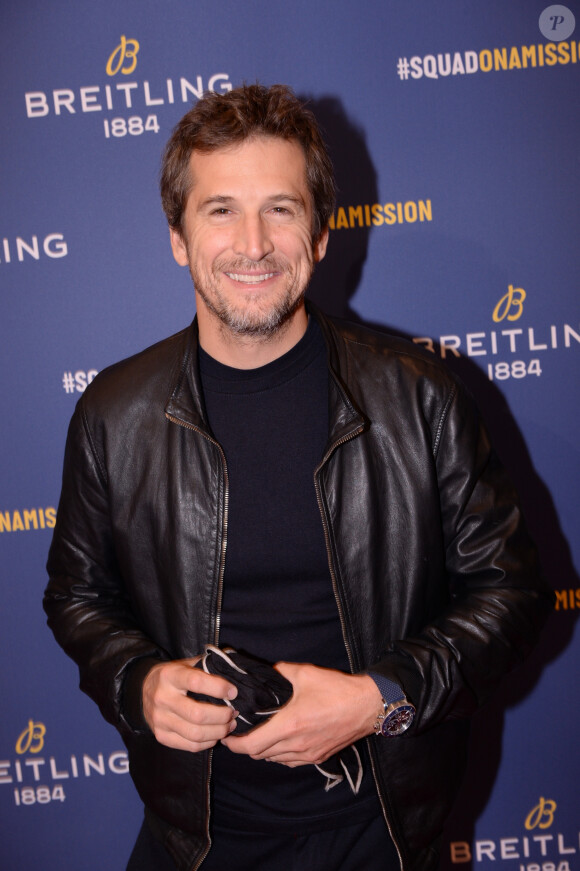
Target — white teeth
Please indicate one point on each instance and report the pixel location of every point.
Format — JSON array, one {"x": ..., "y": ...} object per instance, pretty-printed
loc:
[{"x": 250, "y": 279}]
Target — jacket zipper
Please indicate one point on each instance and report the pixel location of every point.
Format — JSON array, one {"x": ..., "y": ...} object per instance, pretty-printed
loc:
[
  {"x": 334, "y": 588},
  {"x": 327, "y": 537},
  {"x": 341, "y": 612},
  {"x": 219, "y": 598}
]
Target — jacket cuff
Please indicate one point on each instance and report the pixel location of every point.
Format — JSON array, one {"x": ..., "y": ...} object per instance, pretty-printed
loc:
[{"x": 132, "y": 698}]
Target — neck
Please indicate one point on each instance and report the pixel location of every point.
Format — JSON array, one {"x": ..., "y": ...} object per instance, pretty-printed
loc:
[{"x": 248, "y": 352}]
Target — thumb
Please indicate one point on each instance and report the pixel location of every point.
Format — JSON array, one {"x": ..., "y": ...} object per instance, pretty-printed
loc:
[{"x": 289, "y": 670}]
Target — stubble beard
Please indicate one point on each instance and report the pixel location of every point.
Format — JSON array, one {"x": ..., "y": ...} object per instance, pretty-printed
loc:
[{"x": 253, "y": 321}]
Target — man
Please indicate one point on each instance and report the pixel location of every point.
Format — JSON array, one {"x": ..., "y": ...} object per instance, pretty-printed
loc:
[{"x": 318, "y": 495}]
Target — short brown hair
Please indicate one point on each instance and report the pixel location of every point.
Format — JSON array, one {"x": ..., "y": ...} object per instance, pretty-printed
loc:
[{"x": 218, "y": 120}]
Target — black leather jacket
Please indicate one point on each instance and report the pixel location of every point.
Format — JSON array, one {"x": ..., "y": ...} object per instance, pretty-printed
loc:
[{"x": 435, "y": 578}]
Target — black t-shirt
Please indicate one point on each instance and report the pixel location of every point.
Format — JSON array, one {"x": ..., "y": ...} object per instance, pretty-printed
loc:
[{"x": 278, "y": 600}]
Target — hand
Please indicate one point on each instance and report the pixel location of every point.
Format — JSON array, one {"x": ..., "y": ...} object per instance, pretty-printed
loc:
[
  {"x": 182, "y": 722},
  {"x": 328, "y": 711}
]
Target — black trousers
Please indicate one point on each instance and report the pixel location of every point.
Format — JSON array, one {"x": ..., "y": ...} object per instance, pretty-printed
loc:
[{"x": 361, "y": 847}]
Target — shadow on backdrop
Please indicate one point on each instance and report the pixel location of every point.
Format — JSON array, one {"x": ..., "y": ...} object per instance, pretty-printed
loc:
[{"x": 334, "y": 285}]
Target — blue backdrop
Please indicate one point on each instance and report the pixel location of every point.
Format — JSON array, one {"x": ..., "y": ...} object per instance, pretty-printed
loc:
[{"x": 454, "y": 127}]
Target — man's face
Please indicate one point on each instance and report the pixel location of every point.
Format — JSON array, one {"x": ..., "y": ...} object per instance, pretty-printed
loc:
[{"x": 247, "y": 235}]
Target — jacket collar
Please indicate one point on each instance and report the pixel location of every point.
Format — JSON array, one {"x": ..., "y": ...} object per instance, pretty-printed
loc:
[
  {"x": 345, "y": 418},
  {"x": 186, "y": 406}
]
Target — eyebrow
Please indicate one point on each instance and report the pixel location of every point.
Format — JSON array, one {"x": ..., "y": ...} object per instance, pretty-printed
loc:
[
  {"x": 223, "y": 199},
  {"x": 216, "y": 198}
]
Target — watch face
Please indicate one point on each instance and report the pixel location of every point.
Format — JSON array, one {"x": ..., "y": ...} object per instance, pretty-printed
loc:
[{"x": 399, "y": 720}]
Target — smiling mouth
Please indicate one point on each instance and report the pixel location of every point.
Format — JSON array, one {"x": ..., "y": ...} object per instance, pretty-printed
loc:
[{"x": 250, "y": 279}]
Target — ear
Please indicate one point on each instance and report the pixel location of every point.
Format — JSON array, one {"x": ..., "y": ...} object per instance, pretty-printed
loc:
[
  {"x": 178, "y": 247},
  {"x": 320, "y": 245}
]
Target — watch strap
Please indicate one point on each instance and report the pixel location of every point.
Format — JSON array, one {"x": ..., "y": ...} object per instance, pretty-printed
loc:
[{"x": 389, "y": 690}]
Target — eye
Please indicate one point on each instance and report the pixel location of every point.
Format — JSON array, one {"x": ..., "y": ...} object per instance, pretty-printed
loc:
[{"x": 220, "y": 211}]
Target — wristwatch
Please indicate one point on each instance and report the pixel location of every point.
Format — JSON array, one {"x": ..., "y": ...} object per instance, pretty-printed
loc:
[
  {"x": 395, "y": 718},
  {"x": 397, "y": 713}
]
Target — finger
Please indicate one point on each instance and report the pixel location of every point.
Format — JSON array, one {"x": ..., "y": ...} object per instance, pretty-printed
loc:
[
  {"x": 183, "y": 736},
  {"x": 197, "y": 681},
  {"x": 253, "y": 746},
  {"x": 193, "y": 725},
  {"x": 287, "y": 669},
  {"x": 287, "y": 762},
  {"x": 198, "y": 728},
  {"x": 201, "y": 713},
  {"x": 178, "y": 676}
]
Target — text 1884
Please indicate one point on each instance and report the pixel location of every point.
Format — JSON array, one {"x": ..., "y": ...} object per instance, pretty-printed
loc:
[
  {"x": 133, "y": 126},
  {"x": 515, "y": 369},
  {"x": 38, "y": 795}
]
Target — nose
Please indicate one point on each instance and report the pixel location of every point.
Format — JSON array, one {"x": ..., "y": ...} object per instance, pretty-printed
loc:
[{"x": 252, "y": 238}]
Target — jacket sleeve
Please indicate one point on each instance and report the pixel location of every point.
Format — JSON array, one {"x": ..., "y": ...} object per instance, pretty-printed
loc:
[
  {"x": 85, "y": 600},
  {"x": 497, "y": 597}
]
